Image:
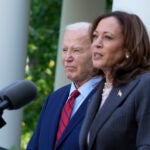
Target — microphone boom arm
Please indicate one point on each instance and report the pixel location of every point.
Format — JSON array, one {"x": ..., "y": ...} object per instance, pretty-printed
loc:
[{"x": 2, "y": 121}]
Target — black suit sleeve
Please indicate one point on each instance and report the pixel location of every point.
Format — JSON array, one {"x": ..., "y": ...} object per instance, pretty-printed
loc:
[{"x": 143, "y": 114}]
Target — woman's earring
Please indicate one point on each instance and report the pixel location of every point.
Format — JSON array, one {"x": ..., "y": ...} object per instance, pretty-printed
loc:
[{"x": 127, "y": 56}]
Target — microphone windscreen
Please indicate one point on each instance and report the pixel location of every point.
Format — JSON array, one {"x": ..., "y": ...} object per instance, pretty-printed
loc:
[
  {"x": 20, "y": 93},
  {"x": 2, "y": 91}
]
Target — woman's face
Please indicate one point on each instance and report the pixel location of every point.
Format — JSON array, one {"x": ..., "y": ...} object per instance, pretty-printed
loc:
[{"x": 107, "y": 45}]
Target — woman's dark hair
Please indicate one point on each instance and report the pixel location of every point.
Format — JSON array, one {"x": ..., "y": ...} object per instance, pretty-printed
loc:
[{"x": 136, "y": 41}]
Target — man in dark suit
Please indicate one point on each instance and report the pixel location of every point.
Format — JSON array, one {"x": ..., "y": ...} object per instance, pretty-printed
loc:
[{"x": 77, "y": 62}]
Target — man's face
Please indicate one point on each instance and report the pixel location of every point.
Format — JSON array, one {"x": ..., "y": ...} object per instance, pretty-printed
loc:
[{"x": 77, "y": 56}]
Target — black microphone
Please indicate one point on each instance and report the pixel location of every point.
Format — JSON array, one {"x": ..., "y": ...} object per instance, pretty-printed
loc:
[{"x": 17, "y": 94}]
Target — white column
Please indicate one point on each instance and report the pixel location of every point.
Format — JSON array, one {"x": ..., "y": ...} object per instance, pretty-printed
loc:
[
  {"x": 14, "y": 16},
  {"x": 75, "y": 11},
  {"x": 139, "y": 7}
]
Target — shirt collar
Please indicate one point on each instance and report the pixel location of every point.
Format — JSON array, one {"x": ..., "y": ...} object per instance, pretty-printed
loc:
[{"x": 87, "y": 87}]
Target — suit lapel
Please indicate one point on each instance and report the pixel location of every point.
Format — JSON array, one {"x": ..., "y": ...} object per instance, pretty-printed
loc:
[
  {"x": 95, "y": 101},
  {"x": 60, "y": 99},
  {"x": 93, "y": 106},
  {"x": 116, "y": 97}
]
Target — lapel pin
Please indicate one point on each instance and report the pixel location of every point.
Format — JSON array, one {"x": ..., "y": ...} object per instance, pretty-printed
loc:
[{"x": 119, "y": 93}]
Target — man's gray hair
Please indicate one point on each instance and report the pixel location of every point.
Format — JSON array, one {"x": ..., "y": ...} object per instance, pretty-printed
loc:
[{"x": 78, "y": 25}]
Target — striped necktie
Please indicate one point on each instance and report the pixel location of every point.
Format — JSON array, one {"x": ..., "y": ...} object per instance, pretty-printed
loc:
[{"x": 65, "y": 114}]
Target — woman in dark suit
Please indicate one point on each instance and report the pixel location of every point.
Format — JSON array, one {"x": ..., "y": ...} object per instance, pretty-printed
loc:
[{"x": 118, "y": 115}]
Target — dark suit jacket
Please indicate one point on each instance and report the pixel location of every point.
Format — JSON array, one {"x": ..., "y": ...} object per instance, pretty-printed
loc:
[
  {"x": 44, "y": 135},
  {"x": 123, "y": 122}
]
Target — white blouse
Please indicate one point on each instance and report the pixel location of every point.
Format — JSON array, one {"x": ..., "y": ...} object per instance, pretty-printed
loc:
[{"x": 106, "y": 92}]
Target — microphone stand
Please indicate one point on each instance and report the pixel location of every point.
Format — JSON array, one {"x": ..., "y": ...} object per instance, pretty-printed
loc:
[{"x": 2, "y": 121}]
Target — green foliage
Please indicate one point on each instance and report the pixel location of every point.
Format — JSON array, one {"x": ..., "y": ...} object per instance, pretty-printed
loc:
[
  {"x": 109, "y": 5},
  {"x": 41, "y": 58}
]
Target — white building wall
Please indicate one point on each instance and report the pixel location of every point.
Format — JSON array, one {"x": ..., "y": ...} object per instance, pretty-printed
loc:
[{"x": 139, "y": 7}]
